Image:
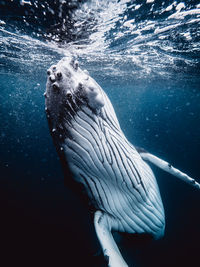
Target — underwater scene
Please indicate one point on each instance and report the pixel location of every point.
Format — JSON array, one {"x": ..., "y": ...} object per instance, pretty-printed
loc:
[{"x": 146, "y": 57}]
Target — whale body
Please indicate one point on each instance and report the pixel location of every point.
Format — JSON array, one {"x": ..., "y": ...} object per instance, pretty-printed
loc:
[{"x": 115, "y": 175}]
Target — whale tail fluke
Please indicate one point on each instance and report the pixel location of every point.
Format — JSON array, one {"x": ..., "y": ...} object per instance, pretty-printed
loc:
[{"x": 165, "y": 166}]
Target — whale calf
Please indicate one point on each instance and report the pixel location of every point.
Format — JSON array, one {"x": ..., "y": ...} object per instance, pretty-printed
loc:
[{"x": 116, "y": 176}]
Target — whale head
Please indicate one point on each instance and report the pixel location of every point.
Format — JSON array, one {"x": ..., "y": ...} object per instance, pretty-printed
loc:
[{"x": 68, "y": 89}]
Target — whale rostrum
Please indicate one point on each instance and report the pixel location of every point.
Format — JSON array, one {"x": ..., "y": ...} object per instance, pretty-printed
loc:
[{"x": 115, "y": 174}]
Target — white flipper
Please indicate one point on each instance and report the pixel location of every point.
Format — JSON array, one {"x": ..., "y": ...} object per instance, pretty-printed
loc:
[
  {"x": 164, "y": 165},
  {"x": 103, "y": 227}
]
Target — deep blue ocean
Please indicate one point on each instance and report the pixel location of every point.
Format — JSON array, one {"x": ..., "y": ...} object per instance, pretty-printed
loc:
[{"x": 146, "y": 56}]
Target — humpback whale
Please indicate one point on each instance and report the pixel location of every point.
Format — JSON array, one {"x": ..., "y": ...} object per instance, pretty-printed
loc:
[{"x": 116, "y": 175}]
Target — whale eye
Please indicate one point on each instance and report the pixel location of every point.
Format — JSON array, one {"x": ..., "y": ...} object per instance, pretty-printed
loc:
[{"x": 54, "y": 67}]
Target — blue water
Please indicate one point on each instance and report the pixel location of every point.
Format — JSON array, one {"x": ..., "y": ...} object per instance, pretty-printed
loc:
[{"x": 152, "y": 78}]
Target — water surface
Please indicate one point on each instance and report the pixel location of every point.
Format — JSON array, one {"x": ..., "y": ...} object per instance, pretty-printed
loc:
[{"x": 146, "y": 56}]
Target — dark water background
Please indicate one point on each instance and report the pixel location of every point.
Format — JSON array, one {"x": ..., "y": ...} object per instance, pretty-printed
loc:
[{"x": 146, "y": 56}]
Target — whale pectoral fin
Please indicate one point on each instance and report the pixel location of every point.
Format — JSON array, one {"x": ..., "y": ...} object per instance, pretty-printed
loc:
[
  {"x": 111, "y": 252},
  {"x": 164, "y": 165}
]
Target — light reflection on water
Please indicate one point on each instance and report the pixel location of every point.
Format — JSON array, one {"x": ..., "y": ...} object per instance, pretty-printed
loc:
[
  {"x": 148, "y": 37},
  {"x": 145, "y": 54}
]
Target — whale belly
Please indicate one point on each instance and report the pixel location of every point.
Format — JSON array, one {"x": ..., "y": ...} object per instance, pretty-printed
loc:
[{"x": 117, "y": 181}]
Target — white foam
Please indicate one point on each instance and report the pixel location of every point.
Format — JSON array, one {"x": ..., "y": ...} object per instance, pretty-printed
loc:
[
  {"x": 137, "y": 7},
  {"x": 164, "y": 29},
  {"x": 193, "y": 21},
  {"x": 119, "y": 35},
  {"x": 182, "y": 15},
  {"x": 180, "y": 6},
  {"x": 148, "y": 27},
  {"x": 187, "y": 36},
  {"x": 129, "y": 24},
  {"x": 169, "y": 7}
]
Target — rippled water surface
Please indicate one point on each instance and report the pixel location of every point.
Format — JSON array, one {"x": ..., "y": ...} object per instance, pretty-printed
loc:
[{"x": 146, "y": 56}]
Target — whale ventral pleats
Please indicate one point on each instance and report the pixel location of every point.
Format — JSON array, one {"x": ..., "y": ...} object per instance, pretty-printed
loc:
[{"x": 115, "y": 175}]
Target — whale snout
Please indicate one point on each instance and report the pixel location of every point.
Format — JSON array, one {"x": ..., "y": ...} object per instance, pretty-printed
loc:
[
  {"x": 54, "y": 76},
  {"x": 64, "y": 75},
  {"x": 70, "y": 88}
]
